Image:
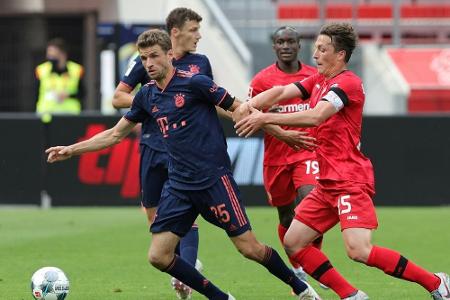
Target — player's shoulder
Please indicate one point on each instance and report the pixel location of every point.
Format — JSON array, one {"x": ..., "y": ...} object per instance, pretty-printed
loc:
[
  {"x": 148, "y": 87},
  {"x": 348, "y": 78},
  {"x": 265, "y": 73},
  {"x": 307, "y": 69}
]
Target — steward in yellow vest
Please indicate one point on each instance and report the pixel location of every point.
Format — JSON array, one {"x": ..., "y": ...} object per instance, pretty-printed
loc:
[{"x": 59, "y": 88}]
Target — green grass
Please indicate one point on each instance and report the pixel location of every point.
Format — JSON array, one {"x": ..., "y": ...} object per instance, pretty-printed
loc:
[{"x": 103, "y": 251}]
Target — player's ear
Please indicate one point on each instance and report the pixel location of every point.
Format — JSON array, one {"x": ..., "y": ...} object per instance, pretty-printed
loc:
[
  {"x": 170, "y": 54},
  {"x": 174, "y": 32}
]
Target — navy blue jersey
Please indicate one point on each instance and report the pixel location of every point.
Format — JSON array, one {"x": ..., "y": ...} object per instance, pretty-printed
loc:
[
  {"x": 194, "y": 63},
  {"x": 186, "y": 115},
  {"x": 136, "y": 74}
]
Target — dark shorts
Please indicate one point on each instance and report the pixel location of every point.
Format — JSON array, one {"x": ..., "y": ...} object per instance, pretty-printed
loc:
[
  {"x": 153, "y": 175},
  {"x": 219, "y": 204}
]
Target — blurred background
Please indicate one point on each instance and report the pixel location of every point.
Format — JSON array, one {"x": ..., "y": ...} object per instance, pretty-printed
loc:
[{"x": 403, "y": 58}]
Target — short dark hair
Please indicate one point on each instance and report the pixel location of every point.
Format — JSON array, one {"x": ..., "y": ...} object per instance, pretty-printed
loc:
[
  {"x": 179, "y": 16},
  {"x": 343, "y": 37},
  {"x": 58, "y": 43},
  {"x": 153, "y": 37},
  {"x": 290, "y": 28}
]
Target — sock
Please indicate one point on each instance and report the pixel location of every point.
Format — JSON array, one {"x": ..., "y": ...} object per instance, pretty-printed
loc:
[
  {"x": 273, "y": 262},
  {"x": 187, "y": 274},
  {"x": 394, "y": 264},
  {"x": 316, "y": 264},
  {"x": 189, "y": 245},
  {"x": 281, "y": 233}
]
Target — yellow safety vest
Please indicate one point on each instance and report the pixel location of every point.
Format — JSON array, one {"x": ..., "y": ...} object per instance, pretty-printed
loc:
[{"x": 52, "y": 83}]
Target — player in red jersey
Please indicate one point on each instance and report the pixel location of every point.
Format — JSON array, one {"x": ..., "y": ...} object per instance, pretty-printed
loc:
[
  {"x": 346, "y": 185},
  {"x": 288, "y": 173}
]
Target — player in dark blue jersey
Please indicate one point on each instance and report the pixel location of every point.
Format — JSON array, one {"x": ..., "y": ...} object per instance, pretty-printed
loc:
[
  {"x": 183, "y": 24},
  {"x": 200, "y": 178}
]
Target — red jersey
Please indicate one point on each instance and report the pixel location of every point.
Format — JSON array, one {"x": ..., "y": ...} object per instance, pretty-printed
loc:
[
  {"x": 338, "y": 154},
  {"x": 276, "y": 152}
]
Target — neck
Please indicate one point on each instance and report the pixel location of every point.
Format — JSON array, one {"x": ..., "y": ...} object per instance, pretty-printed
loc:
[
  {"x": 177, "y": 50},
  {"x": 289, "y": 67},
  {"x": 168, "y": 76},
  {"x": 336, "y": 71}
]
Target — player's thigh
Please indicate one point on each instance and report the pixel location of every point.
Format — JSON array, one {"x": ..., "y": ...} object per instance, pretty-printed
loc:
[
  {"x": 355, "y": 206},
  {"x": 221, "y": 205},
  {"x": 279, "y": 186},
  {"x": 175, "y": 212},
  {"x": 316, "y": 212},
  {"x": 153, "y": 175}
]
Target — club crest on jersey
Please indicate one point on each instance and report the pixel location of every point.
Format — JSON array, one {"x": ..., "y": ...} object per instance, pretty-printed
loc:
[
  {"x": 179, "y": 100},
  {"x": 194, "y": 69}
]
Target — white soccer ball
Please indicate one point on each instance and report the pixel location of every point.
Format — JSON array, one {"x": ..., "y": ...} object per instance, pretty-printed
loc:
[{"x": 49, "y": 283}]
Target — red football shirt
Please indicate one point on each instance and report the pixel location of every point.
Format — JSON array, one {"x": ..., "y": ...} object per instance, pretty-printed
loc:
[
  {"x": 276, "y": 152},
  {"x": 338, "y": 154}
]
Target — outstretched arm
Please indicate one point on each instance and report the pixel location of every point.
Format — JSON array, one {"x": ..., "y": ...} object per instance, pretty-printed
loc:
[
  {"x": 274, "y": 95},
  {"x": 309, "y": 118},
  {"x": 99, "y": 141}
]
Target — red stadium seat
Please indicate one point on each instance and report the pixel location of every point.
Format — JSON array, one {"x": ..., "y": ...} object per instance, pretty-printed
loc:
[{"x": 374, "y": 11}]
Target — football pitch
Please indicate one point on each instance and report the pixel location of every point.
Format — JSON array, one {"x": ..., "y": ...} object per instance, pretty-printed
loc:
[{"x": 103, "y": 251}]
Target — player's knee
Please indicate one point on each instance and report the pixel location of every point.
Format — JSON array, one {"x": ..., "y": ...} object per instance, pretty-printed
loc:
[
  {"x": 291, "y": 246},
  {"x": 253, "y": 251},
  {"x": 158, "y": 260},
  {"x": 358, "y": 252}
]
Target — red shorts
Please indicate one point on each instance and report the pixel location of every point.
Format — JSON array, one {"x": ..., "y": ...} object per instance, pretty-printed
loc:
[
  {"x": 347, "y": 203},
  {"x": 282, "y": 182}
]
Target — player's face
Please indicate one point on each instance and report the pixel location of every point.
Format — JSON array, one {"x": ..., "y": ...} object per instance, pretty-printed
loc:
[
  {"x": 329, "y": 61},
  {"x": 54, "y": 53},
  {"x": 156, "y": 62},
  {"x": 286, "y": 46},
  {"x": 188, "y": 36}
]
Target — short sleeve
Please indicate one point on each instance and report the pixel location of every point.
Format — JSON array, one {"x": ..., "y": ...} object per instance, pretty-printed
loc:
[
  {"x": 207, "y": 89},
  {"x": 208, "y": 69},
  {"x": 137, "y": 113},
  {"x": 135, "y": 74},
  {"x": 306, "y": 85}
]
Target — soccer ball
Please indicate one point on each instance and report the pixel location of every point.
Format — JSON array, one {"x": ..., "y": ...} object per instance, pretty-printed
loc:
[{"x": 49, "y": 283}]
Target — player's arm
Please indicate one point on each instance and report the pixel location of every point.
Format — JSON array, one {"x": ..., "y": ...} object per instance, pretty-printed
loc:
[
  {"x": 309, "y": 118},
  {"x": 122, "y": 96},
  {"x": 293, "y": 138},
  {"x": 274, "y": 95},
  {"x": 99, "y": 141}
]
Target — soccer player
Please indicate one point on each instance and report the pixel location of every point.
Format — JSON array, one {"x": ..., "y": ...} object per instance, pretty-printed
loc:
[
  {"x": 200, "y": 178},
  {"x": 288, "y": 173},
  {"x": 183, "y": 25},
  {"x": 346, "y": 185}
]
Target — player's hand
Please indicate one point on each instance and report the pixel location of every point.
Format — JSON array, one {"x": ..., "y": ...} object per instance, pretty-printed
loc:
[
  {"x": 58, "y": 153},
  {"x": 251, "y": 123},
  {"x": 241, "y": 112},
  {"x": 298, "y": 140}
]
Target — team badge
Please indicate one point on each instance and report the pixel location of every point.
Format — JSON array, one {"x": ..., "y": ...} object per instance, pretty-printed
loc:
[
  {"x": 179, "y": 100},
  {"x": 194, "y": 69}
]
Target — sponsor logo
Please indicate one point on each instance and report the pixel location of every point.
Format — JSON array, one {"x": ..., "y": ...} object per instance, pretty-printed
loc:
[
  {"x": 290, "y": 108},
  {"x": 179, "y": 100},
  {"x": 194, "y": 69},
  {"x": 117, "y": 165},
  {"x": 352, "y": 217}
]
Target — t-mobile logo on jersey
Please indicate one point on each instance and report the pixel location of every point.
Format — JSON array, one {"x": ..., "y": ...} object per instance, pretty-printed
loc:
[{"x": 118, "y": 165}]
